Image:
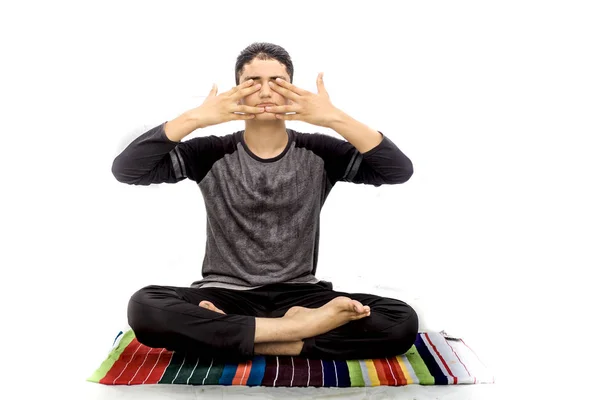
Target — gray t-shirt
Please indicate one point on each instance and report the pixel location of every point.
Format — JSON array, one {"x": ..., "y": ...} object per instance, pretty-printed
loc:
[{"x": 262, "y": 214}]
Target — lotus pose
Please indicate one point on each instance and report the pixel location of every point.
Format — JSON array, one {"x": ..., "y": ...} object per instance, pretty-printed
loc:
[{"x": 263, "y": 189}]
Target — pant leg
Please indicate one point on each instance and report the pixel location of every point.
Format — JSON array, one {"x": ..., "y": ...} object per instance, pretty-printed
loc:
[
  {"x": 390, "y": 330},
  {"x": 170, "y": 317}
]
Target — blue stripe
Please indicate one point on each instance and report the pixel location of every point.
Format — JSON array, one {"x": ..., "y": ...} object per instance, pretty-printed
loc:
[
  {"x": 259, "y": 364},
  {"x": 228, "y": 374},
  {"x": 434, "y": 369}
]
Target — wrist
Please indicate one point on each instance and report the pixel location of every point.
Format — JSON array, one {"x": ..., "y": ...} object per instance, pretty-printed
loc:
[{"x": 335, "y": 118}]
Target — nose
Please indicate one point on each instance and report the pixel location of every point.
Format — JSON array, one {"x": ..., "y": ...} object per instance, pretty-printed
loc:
[{"x": 265, "y": 90}]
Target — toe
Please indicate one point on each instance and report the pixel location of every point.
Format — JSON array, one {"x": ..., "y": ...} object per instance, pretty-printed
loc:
[{"x": 358, "y": 307}]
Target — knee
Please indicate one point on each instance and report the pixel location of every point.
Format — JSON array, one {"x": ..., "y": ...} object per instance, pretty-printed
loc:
[
  {"x": 142, "y": 310},
  {"x": 404, "y": 334}
]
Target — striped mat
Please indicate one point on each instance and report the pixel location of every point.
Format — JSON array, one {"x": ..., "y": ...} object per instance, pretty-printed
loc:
[{"x": 434, "y": 359}]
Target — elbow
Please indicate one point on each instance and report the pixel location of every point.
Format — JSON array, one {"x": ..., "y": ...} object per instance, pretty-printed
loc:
[
  {"x": 404, "y": 173},
  {"x": 118, "y": 172}
]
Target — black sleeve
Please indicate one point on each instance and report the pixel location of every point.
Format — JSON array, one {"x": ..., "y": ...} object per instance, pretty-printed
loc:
[
  {"x": 154, "y": 158},
  {"x": 383, "y": 164}
]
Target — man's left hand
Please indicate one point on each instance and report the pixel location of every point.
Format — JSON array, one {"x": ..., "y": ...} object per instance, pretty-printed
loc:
[{"x": 313, "y": 108}]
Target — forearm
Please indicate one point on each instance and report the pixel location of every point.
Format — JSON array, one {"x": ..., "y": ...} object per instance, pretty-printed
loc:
[
  {"x": 182, "y": 126},
  {"x": 358, "y": 134}
]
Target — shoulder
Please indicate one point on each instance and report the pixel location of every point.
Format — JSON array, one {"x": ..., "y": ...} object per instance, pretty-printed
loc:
[{"x": 320, "y": 143}]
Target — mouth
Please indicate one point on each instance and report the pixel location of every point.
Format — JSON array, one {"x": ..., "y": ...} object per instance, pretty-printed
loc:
[{"x": 266, "y": 104}]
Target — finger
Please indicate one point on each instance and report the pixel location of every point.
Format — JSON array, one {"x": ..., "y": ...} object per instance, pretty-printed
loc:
[
  {"x": 288, "y": 117},
  {"x": 249, "y": 109},
  {"x": 246, "y": 91},
  {"x": 283, "y": 91},
  {"x": 320, "y": 84},
  {"x": 292, "y": 88},
  {"x": 282, "y": 109},
  {"x": 213, "y": 90},
  {"x": 239, "y": 87},
  {"x": 243, "y": 116}
]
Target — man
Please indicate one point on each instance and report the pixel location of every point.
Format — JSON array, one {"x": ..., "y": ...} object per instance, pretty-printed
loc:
[{"x": 263, "y": 189}]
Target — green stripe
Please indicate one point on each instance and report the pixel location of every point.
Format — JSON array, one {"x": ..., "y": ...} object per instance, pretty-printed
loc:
[
  {"x": 113, "y": 356},
  {"x": 421, "y": 370},
  {"x": 355, "y": 372},
  {"x": 173, "y": 368},
  {"x": 214, "y": 375}
]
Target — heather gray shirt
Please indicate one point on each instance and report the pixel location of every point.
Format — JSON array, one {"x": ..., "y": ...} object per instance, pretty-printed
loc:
[{"x": 262, "y": 222}]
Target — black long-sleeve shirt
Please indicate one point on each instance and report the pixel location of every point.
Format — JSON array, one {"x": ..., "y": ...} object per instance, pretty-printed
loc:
[{"x": 262, "y": 214}]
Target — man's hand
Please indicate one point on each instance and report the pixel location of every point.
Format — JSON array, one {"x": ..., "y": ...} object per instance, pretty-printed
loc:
[
  {"x": 313, "y": 108},
  {"x": 224, "y": 107}
]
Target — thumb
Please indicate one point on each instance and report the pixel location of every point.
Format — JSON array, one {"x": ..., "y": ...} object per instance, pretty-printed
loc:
[{"x": 213, "y": 90}]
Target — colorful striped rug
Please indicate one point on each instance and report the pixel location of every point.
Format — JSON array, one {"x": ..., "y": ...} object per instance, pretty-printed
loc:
[{"x": 434, "y": 359}]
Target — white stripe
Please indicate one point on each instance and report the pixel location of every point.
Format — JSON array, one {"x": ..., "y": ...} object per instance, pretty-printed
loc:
[
  {"x": 457, "y": 366},
  {"x": 365, "y": 372},
  {"x": 336, "y": 377},
  {"x": 154, "y": 366},
  {"x": 188, "y": 379},
  {"x": 276, "y": 370},
  {"x": 436, "y": 358},
  {"x": 244, "y": 373},
  {"x": 392, "y": 371},
  {"x": 477, "y": 369},
  {"x": 293, "y": 370},
  {"x": 308, "y": 381},
  {"x": 163, "y": 374},
  {"x": 460, "y": 368},
  {"x": 138, "y": 370},
  {"x": 322, "y": 374},
  {"x": 127, "y": 363},
  {"x": 177, "y": 374},
  {"x": 208, "y": 371}
]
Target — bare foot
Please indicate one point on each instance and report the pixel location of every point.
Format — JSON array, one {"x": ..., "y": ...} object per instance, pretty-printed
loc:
[
  {"x": 210, "y": 306},
  {"x": 316, "y": 321}
]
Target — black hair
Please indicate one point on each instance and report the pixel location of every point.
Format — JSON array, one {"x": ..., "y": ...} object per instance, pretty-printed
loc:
[{"x": 263, "y": 51}]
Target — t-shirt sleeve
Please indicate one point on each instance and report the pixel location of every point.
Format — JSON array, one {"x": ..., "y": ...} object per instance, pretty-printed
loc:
[
  {"x": 153, "y": 158},
  {"x": 383, "y": 164}
]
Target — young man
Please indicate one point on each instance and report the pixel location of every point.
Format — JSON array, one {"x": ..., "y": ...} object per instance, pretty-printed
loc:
[{"x": 263, "y": 189}]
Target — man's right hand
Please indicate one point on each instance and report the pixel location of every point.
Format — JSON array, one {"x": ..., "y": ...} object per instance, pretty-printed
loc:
[{"x": 222, "y": 108}]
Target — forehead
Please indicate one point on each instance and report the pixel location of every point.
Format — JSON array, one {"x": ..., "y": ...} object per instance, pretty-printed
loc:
[{"x": 264, "y": 69}]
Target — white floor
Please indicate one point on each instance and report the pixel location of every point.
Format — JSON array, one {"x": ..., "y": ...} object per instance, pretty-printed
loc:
[{"x": 413, "y": 392}]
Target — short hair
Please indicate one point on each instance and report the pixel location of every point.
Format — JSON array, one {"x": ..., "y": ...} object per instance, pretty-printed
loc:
[{"x": 263, "y": 51}]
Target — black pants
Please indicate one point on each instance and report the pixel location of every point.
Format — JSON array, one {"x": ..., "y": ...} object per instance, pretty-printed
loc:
[{"x": 170, "y": 317}]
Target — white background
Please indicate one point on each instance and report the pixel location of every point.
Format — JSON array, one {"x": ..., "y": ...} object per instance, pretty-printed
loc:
[{"x": 495, "y": 236}]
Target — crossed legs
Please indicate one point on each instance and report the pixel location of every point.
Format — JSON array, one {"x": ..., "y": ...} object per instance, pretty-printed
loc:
[{"x": 307, "y": 320}]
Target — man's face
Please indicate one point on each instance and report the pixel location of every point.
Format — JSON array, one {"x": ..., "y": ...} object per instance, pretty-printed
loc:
[{"x": 263, "y": 71}]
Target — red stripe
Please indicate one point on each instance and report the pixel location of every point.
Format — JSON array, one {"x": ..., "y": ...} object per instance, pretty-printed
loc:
[
  {"x": 383, "y": 372},
  {"x": 121, "y": 362},
  {"x": 164, "y": 359},
  {"x": 398, "y": 371},
  {"x": 147, "y": 366},
  {"x": 132, "y": 368},
  {"x": 454, "y": 380}
]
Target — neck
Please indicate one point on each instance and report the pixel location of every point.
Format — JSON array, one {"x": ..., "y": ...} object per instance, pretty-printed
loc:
[{"x": 266, "y": 137}]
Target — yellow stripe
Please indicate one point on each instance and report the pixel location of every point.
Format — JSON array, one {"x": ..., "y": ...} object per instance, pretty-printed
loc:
[
  {"x": 404, "y": 370},
  {"x": 372, "y": 373}
]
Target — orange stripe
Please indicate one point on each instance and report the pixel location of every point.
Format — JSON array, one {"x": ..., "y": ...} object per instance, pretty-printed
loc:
[{"x": 242, "y": 373}]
